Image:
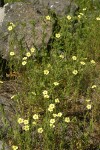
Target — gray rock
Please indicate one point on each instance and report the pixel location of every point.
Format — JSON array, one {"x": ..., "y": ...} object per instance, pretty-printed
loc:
[
  {"x": 60, "y": 7},
  {"x": 30, "y": 28}
]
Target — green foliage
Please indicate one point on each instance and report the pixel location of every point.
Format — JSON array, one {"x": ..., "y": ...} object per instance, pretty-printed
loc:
[{"x": 65, "y": 70}]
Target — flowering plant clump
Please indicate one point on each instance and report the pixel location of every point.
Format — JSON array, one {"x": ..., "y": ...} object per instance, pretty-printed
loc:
[{"x": 54, "y": 79}]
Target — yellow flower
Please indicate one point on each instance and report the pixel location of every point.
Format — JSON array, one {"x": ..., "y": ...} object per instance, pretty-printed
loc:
[
  {"x": 88, "y": 106},
  {"x": 46, "y": 72},
  {"x": 24, "y": 58},
  {"x": 14, "y": 147},
  {"x": 34, "y": 123},
  {"x": 98, "y": 18},
  {"x": 25, "y": 122},
  {"x": 57, "y": 100},
  {"x": 88, "y": 100},
  {"x": 56, "y": 83},
  {"x": 50, "y": 109},
  {"x": 93, "y": 86},
  {"x": 24, "y": 63},
  {"x": 61, "y": 56},
  {"x": 28, "y": 54},
  {"x": 46, "y": 96},
  {"x": 48, "y": 17},
  {"x": 10, "y": 28},
  {"x": 13, "y": 25},
  {"x": 74, "y": 57},
  {"x": 52, "y": 106},
  {"x": 35, "y": 116},
  {"x": 12, "y": 53},
  {"x": 32, "y": 50},
  {"x": 82, "y": 63},
  {"x": 59, "y": 114},
  {"x": 54, "y": 115},
  {"x": 40, "y": 130},
  {"x": 69, "y": 17},
  {"x": 84, "y": 9},
  {"x": 75, "y": 72},
  {"x": 45, "y": 92},
  {"x": 52, "y": 121},
  {"x": 26, "y": 127},
  {"x": 52, "y": 125},
  {"x": 20, "y": 120},
  {"x": 67, "y": 119},
  {"x": 58, "y": 35},
  {"x": 79, "y": 16},
  {"x": 1, "y": 81},
  {"x": 92, "y": 62}
]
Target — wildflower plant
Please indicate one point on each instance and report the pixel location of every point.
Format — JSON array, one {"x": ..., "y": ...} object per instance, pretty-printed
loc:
[{"x": 57, "y": 97}]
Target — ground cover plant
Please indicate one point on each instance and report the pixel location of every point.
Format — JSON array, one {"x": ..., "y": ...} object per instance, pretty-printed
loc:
[{"x": 58, "y": 106}]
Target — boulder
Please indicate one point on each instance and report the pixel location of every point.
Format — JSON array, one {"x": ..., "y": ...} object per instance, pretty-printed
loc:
[{"x": 31, "y": 29}]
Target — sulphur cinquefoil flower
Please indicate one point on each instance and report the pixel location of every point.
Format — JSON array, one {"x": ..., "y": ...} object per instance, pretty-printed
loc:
[
  {"x": 61, "y": 56},
  {"x": 32, "y": 50},
  {"x": 1, "y": 81},
  {"x": 28, "y": 54},
  {"x": 59, "y": 114},
  {"x": 40, "y": 130},
  {"x": 52, "y": 106},
  {"x": 93, "y": 86},
  {"x": 75, "y": 72},
  {"x": 52, "y": 121},
  {"x": 25, "y": 121},
  {"x": 10, "y": 28},
  {"x": 88, "y": 106},
  {"x": 13, "y": 25},
  {"x": 92, "y": 62},
  {"x": 82, "y": 63},
  {"x": 74, "y": 57},
  {"x": 48, "y": 17},
  {"x": 24, "y": 63},
  {"x": 67, "y": 119},
  {"x": 98, "y": 18},
  {"x": 14, "y": 147},
  {"x": 87, "y": 100},
  {"x": 24, "y": 58},
  {"x": 45, "y": 92},
  {"x": 26, "y": 127},
  {"x": 20, "y": 120},
  {"x": 57, "y": 35},
  {"x": 52, "y": 125},
  {"x": 46, "y": 96},
  {"x": 50, "y": 109},
  {"x": 84, "y": 9},
  {"x": 34, "y": 123},
  {"x": 57, "y": 100},
  {"x": 69, "y": 17},
  {"x": 79, "y": 16},
  {"x": 56, "y": 83},
  {"x": 46, "y": 72},
  {"x": 12, "y": 53},
  {"x": 54, "y": 115},
  {"x": 35, "y": 116}
]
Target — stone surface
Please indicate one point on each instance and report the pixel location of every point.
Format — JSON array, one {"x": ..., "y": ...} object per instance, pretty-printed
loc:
[
  {"x": 60, "y": 7},
  {"x": 30, "y": 28}
]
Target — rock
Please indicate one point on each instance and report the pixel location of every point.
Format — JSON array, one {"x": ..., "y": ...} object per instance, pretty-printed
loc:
[
  {"x": 31, "y": 29},
  {"x": 60, "y": 7}
]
